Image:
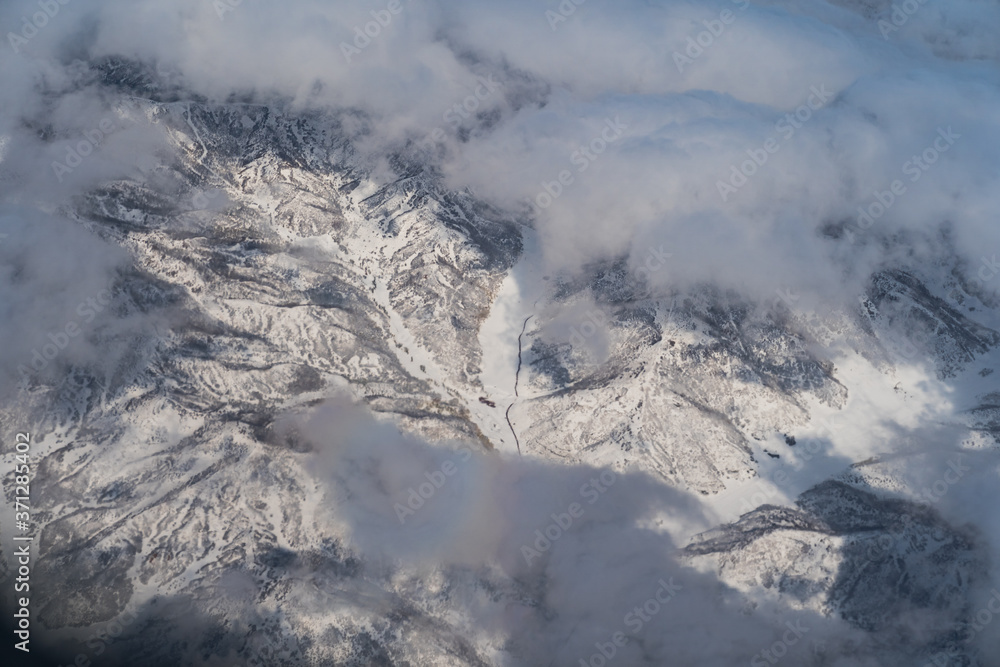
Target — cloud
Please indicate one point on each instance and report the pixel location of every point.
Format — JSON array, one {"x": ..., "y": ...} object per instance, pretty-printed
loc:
[
  {"x": 585, "y": 548},
  {"x": 57, "y": 284},
  {"x": 686, "y": 137}
]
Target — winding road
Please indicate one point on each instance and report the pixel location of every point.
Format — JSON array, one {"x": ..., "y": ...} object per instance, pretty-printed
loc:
[{"x": 517, "y": 378}]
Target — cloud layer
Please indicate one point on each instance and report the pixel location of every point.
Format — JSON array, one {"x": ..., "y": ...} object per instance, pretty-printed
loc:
[
  {"x": 737, "y": 132},
  {"x": 584, "y": 548}
]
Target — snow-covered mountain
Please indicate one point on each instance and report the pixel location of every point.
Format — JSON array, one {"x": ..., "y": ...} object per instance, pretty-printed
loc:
[
  {"x": 344, "y": 398},
  {"x": 273, "y": 269}
]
